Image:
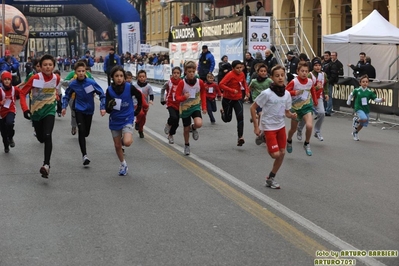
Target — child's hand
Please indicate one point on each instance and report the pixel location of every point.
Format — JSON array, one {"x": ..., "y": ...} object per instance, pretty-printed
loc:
[
  {"x": 63, "y": 112},
  {"x": 102, "y": 112},
  {"x": 187, "y": 94},
  {"x": 294, "y": 116},
  {"x": 257, "y": 131},
  {"x": 204, "y": 112}
]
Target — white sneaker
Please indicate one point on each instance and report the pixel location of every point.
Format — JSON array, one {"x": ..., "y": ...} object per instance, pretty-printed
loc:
[
  {"x": 186, "y": 150},
  {"x": 86, "y": 160},
  {"x": 123, "y": 169},
  {"x": 195, "y": 133},
  {"x": 271, "y": 183},
  {"x": 307, "y": 150},
  {"x": 170, "y": 138},
  {"x": 355, "y": 135},
  {"x": 166, "y": 129},
  {"x": 318, "y": 136},
  {"x": 45, "y": 170},
  {"x": 299, "y": 135}
]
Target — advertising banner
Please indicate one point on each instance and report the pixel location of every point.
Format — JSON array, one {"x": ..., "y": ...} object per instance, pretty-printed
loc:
[
  {"x": 43, "y": 9},
  {"x": 131, "y": 37},
  {"x": 258, "y": 34}
]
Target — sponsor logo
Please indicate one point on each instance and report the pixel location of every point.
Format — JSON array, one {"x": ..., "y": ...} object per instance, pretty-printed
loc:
[{"x": 259, "y": 47}]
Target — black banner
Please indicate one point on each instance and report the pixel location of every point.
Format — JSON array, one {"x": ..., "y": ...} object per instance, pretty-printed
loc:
[
  {"x": 70, "y": 34},
  {"x": 207, "y": 31},
  {"x": 387, "y": 90}
]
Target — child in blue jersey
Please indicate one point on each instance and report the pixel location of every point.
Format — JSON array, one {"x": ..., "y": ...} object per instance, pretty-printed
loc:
[
  {"x": 120, "y": 106},
  {"x": 84, "y": 90},
  {"x": 362, "y": 97}
]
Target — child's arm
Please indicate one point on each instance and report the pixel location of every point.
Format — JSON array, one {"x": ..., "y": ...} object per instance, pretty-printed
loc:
[
  {"x": 290, "y": 88},
  {"x": 65, "y": 100},
  {"x": 252, "y": 109},
  {"x": 217, "y": 90},
  {"x": 180, "y": 97},
  {"x": 224, "y": 83},
  {"x": 314, "y": 96},
  {"x": 203, "y": 96},
  {"x": 101, "y": 95},
  {"x": 348, "y": 102},
  {"x": 164, "y": 89},
  {"x": 151, "y": 94},
  {"x": 136, "y": 93},
  {"x": 109, "y": 103},
  {"x": 22, "y": 99}
]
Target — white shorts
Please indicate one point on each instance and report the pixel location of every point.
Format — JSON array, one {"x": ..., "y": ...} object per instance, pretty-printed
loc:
[{"x": 128, "y": 128}]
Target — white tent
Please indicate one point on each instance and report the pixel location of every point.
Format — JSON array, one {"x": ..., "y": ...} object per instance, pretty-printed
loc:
[
  {"x": 375, "y": 36},
  {"x": 158, "y": 49}
]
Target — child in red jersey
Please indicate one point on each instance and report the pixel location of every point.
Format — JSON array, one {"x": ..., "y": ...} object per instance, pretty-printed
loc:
[
  {"x": 232, "y": 86},
  {"x": 168, "y": 97},
  {"x": 212, "y": 90},
  {"x": 8, "y": 94}
]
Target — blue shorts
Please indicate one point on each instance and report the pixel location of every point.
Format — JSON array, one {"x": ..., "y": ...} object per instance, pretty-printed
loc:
[{"x": 363, "y": 116}]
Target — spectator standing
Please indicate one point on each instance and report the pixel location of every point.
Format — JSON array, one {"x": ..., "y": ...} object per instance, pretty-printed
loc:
[
  {"x": 111, "y": 60},
  {"x": 247, "y": 66},
  {"x": 184, "y": 19},
  {"x": 10, "y": 64},
  {"x": 360, "y": 63},
  {"x": 194, "y": 19},
  {"x": 28, "y": 66},
  {"x": 206, "y": 63},
  {"x": 260, "y": 10},
  {"x": 365, "y": 69},
  {"x": 88, "y": 58},
  {"x": 292, "y": 65},
  {"x": 270, "y": 60},
  {"x": 241, "y": 11},
  {"x": 224, "y": 67},
  {"x": 258, "y": 59},
  {"x": 336, "y": 69}
]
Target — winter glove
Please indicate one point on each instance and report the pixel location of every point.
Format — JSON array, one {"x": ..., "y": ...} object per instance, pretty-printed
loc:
[
  {"x": 27, "y": 114},
  {"x": 111, "y": 105},
  {"x": 163, "y": 102}
]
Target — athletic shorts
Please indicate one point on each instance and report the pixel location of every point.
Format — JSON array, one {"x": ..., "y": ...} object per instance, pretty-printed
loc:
[
  {"x": 307, "y": 108},
  {"x": 276, "y": 140},
  {"x": 363, "y": 116},
  {"x": 187, "y": 120},
  {"x": 128, "y": 128}
]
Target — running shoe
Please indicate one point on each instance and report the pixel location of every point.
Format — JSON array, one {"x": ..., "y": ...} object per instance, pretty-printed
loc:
[
  {"x": 141, "y": 134},
  {"x": 271, "y": 183},
  {"x": 195, "y": 132},
  {"x": 6, "y": 149},
  {"x": 318, "y": 136},
  {"x": 12, "y": 143},
  {"x": 299, "y": 135},
  {"x": 260, "y": 139},
  {"x": 355, "y": 122},
  {"x": 86, "y": 160},
  {"x": 355, "y": 135},
  {"x": 307, "y": 150},
  {"x": 170, "y": 138},
  {"x": 289, "y": 147},
  {"x": 166, "y": 129},
  {"x": 186, "y": 150},
  {"x": 73, "y": 131},
  {"x": 123, "y": 169},
  {"x": 45, "y": 170},
  {"x": 240, "y": 142},
  {"x": 136, "y": 126}
]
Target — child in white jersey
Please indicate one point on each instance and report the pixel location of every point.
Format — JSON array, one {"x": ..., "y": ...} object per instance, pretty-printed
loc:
[
  {"x": 276, "y": 104},
  {"x": 362, "y": 97},
  {"x": 148, "y": 93}
]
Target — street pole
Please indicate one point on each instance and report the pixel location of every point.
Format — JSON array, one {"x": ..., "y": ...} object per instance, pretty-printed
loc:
[
  {"x": 3, "y": 26},
  {"x": 244, "y": 27}
]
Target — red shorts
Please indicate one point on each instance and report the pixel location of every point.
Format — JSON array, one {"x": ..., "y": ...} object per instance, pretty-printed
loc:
[{"x": 276, "y": 140}]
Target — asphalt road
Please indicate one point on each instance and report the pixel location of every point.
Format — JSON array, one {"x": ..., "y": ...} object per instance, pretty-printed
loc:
[{"x": 209, "y": 208}]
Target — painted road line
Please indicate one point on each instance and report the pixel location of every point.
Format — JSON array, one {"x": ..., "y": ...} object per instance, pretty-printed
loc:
[{"x": 309, "y": 225}]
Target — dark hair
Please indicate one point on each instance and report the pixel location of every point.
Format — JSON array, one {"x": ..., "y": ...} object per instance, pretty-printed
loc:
[
  {"x": 57, "y": 72},
  {"x": 302, "y": 64},
  {"x": 259, "y": 66},
  {"x": 141, "y": 71},
  {"x": 129, "y": 74},
  {"x": 35, "y": 62},
  {"x": 275, "y": 68},
  {"x": 235, "y": 63},
  {"x": 362, "y": 53},
  {"x": 189, "y": 65},
  {"x": 47, "y": 57},
  {"x": 116, "y": 69},
  {"x": 176, "y": 68},
  {"x": 80, "y": 64},
  {"x": 364, "y": 77},
  {"x": 327, "y": 52},
  {"x": 303, "y": 56}
]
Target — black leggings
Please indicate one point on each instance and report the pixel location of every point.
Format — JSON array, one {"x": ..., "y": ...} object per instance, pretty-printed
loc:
[
  {"x": 7, "y": 128},
  {"x": 227, "y": 114},
  {"x": 44, "y": 129},
  {"x": 84, "y": 125},
  {"x": 173, "y": 120}
]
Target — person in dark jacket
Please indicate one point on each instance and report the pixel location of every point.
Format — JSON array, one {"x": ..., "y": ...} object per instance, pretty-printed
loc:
[
  {"x": 111, "y": 60},
  {"x": 336, "y": 69},
  {"x": 206, "y": 63},
  {"x": 247, "y": 11},
  {"x": 361, "y": 62},
  {"x": 292, "y": 65},
  {"x": 88, "y": 58},
  {"x": 364, "y": 69},
  {"x": 194, "y": 19},
  {"x": 224, "y": 68},
  {"x": 258, "y": 59},
  {"x": 270, "y": 60}
]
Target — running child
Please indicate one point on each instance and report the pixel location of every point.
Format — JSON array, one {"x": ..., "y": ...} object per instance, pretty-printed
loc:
[
  {"x": 303, "y": 97},
  {"x": 84, "y": 90},
  {"x": 144, "y": 107},
  {"x": 168, "y": 97},
  {"x": 257, "y": 85},
  {"x": 232, "y": 84},
  {"x": 148, "y": 93},
  {"x": 319, "y": 79},
  {"x": 362, "y": 96},
  {"x": 212, "y": 90},
  {"x": 276, "y": 104},
  {"x": 191, "y": 94},
  {"x": 119, "y": 103},
  {"x": 42, "y": 110},
  {"x": 8, "y": 95}
]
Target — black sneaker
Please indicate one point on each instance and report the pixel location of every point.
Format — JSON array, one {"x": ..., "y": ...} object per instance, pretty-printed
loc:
[
  {"x": 12, "y": 143},
  {"x": 136, "y": 126},
  {"x": 141, "y": 134},
  {"x": 6, "y": 149},
  {"x": 86, "y": 160}
]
